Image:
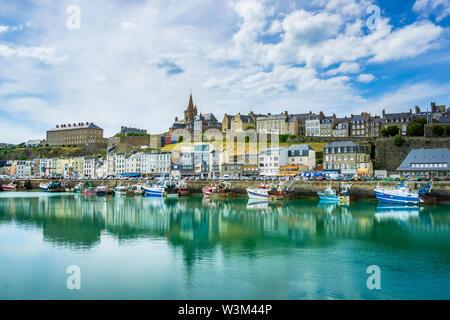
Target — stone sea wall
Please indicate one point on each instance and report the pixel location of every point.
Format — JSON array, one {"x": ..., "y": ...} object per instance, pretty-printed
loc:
[{"x": 360, "y": 189}]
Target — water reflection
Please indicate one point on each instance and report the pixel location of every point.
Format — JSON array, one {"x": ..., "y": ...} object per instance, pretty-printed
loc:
[{"x": 199, "y": 225}]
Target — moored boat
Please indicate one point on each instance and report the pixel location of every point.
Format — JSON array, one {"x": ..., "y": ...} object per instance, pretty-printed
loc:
[
  {"x": 221, "y": 190},
  {"x": 330, "y": 195},
  {"x": 401, "y": 194},
  {"x": 266, "y": 192},
  {"x": 121, "y": 190},
  {"x": 9, "y": 187}
]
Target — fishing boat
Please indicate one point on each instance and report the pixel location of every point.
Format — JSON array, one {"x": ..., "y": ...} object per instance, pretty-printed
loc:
[
  {"x": 121, "y": 190},
  {"x": 220, "y": 190},
  {"x": 44, "y": 186},
  {"x": 52, "y": 186},
  {"x": 183, "y": 189},
  {"x": 266, "y": 192},
  {"x": 104, "y": 191},
  {"x": 79, "y": 187},
  {"x": 135, "y": 190},
  {"x": 330, "y": 195},
  {"x": 156, "y": 190},
  {"x": 401, "y": 194},
  {"x": 8, "y": 187}
]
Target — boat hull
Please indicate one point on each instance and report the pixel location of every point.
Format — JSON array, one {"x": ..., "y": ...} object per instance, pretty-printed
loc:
[
  {"x": 8, "y": 187},
  {"x": 259, "y": 194},
  {"x": 154, "y": 192},
  {"x": 385, "y": 197}
]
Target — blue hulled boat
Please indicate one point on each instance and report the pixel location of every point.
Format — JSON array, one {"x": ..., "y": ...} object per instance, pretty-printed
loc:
[{"x": 401, "y": 194}]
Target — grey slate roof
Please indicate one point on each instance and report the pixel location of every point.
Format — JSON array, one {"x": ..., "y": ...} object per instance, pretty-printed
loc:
[
  {"x": 444, "y": 119},
  {"x": 426, "y": 156},
  {"x": 80, "y": 125},
  {"x": 340, "y": 144}
]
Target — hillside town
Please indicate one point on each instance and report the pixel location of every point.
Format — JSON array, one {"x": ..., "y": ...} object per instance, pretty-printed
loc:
[{"x": 337, "y": 146}]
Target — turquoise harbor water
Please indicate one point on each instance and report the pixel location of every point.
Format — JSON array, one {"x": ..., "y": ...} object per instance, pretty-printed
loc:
[{"x": 196, "y": 248}]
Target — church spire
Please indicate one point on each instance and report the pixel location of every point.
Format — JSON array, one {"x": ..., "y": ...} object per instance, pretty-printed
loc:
[{"x": 191, "y": 103}]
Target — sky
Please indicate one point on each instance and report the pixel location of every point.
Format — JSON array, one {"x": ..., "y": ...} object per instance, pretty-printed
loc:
[{"x": 135, "y": 62}]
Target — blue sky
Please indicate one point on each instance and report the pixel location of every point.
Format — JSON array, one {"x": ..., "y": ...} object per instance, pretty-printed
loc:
[{"x": 134, "y": 62}]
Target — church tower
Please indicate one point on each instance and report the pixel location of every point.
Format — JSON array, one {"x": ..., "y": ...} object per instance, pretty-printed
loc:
[{"x": 190, "y": 112}]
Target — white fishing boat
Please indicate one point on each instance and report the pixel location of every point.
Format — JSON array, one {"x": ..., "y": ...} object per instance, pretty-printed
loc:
[{"x": 121, "y": 190}]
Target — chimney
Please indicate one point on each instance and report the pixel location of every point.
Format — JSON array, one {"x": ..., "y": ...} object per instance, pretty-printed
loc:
[
  {"x": 383, "y": 113},
  {"x": 286, "y": 114}
]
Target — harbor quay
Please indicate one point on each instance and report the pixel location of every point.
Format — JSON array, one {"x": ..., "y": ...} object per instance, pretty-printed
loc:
[{"x": 360, "y": 190}]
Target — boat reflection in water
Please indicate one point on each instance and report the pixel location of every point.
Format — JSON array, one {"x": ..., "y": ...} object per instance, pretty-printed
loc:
[
  {"x": 221, "y": 248},
  {"x": 396, "y": 212}
]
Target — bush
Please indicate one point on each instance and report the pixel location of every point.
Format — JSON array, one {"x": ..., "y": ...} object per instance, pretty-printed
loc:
[
  {"x": 399, "y": 141},
  {"x": 393, "y": 130},
  {"x": 384, "y": 132},
  {"x": 416, "y": 127},
  {"x": 447, "y": 129},
  {"x": 438, "y": 130}
]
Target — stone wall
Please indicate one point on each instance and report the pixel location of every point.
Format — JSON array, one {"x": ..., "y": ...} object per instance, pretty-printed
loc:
[
  {"x": 360, "y": 189},
  {"x": 388, "y": 156}
]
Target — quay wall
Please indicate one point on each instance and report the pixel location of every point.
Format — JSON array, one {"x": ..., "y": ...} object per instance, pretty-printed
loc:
[{"x": 359, "y": 189}]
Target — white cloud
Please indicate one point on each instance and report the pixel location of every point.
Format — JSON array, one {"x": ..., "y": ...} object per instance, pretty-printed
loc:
[
  {"x": 427, "y": 7},
  {"x": 346, "y": 67},
  {"x": 366, "y": 78},
  {"x": 128, "y": 25},
  {"x": 4, "y": 28},
  {"x": 219, "y": 51}
]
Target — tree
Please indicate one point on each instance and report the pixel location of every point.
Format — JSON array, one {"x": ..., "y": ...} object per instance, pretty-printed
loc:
[
  {"x": 384, "y": 132},
  {"x": 416, "y": 127},
  {"x": 393, "y": 130},
  {"x": 438, "y": 130},
  {"x": 399, "y": 141},
  {"x": 447, "y": 129}
]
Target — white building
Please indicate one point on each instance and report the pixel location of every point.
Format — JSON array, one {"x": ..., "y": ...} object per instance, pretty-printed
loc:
[
  {"x": 271, "y": 159},
  {"x": 155, "y": 163},
  {"x": 89, "y": 167},
  {"x": 312, "y": 127},
  {"x": 24, "y": 168},
  {"x": 133, "y": 163}
]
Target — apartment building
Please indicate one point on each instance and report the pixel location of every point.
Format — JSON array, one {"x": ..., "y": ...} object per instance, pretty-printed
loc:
[
  {"x": 81, "y": 133},
  {"x": 276, "y": 124},
  {"x": 302, "y": 156},
  {"x": 155, "y": 163},
  {"x": 271, "y": 159},
  {"x": 347, "y": 157},
  {"x": 312, "y": 125}
]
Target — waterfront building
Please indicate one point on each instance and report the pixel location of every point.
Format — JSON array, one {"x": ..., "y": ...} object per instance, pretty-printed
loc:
[
  {"x": 81, "y": 133},
  {"x": 271, "y": 159},
  {"x": 238, "y": 165},
  {"x": 155, "y": 163},
  {"x": 302, "y": 156},
  {"x": 10, "y": 168},
  {"x": 25, "y": 168},
  {"x": 133, "y": 163},
  {"x": 272, "y": 123},
  {"x": 348, "y": 158},
  {"x": 89, "y": 167},
  {"x": 216, "y": 160},
  {"x": 183, "y": 162},
  {"x": 426, "y": 163}
]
